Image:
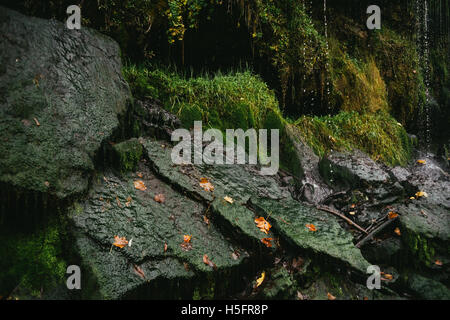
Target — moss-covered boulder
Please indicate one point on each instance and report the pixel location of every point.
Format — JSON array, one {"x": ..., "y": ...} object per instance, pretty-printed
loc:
[
  {"x": 256, "y": 195},
  {"x": 425, "y": 216},
  {"x": 155, "y": 229},
  {"x": 61, "y": 93}
]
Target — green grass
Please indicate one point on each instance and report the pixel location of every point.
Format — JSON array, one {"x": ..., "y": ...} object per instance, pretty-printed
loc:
[
  {"x": 223, "y": 101},
  {"x": 243, "y": 100},
  {"x": 379, "y": 135}
]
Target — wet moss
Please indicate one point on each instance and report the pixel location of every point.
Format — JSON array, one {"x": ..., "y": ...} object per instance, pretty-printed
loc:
[
  {"x": 127, "y": 154},
  {"x": 421, "y": 247},
  {"x": 378, "y": 135},
  {"x": 357, "y": 83},
  {"x": 34, "y": 261}
]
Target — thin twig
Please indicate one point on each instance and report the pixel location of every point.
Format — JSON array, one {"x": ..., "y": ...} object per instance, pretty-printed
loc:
[
  {"x": 375, "y": 232},
  {"x": 340, "y": 215}
]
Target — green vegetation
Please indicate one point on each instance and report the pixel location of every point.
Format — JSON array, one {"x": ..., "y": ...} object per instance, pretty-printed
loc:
[
  {"x": 357, "y": 85},
  {"x": 398, "y": 62},
  {"x": 128, "y": 154},
  {"x": 33, "y": 261},
  {"x": 378, "y": 134},
  {"x": 235, "y": 100}
]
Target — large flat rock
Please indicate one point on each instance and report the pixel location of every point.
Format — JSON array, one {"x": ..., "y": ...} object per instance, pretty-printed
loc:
[
  {"x": 61, "y": 92},
  {"x": 155, "y": 230},
  {"x": 256, "y": 195}
]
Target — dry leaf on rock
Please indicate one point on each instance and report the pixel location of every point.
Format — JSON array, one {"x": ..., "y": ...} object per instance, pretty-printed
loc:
[
  {"x": 209, "y": 262},
  {"x": 330, "y": 296},
  {"x": 263, "y": 225},
  {"x": 392, "y": 215},
  {"x": 138, "y": 271},
  {"x": 139, "y": 184},
  {"x": 120, "y": 242},
  {"x": 267, "y": 242},
  {"x": 206, "y": 185},
  {"x": 160, "y": 198},
  {"x": 228, "y": 199},
  {"x": 260, "y": 279}
]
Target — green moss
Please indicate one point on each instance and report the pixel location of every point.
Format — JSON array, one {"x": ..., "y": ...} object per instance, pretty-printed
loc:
[
  {"x": 34, "y": 260},
  {"x": 398, "y": 61},
  {"x": 128, "y": 154},
  {"x": 420, "y": 247},
  {"x": 379, "y": 135},
  {"x": 356, "y": 84}
]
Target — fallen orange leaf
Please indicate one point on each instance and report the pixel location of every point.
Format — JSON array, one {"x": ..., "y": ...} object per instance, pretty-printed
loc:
[
  {"x": 118, "y": 202},
  {"x": 392, "y": 215},
  {"x": 206, "y": 185},
  {"x": 120, "y": 242},
  {"x": 438, "y": 262},
  {"x": 311, "y": 227},
  {"x": 140, "y": 174},
  {"x": 160, "y": 198},
  {"x": 267, "y": 242},
  {"x": 128, "y": 201},
  {"x": 263, "y": 225},
  {"x": 330, "y": 296},
  {"x": 388, "y": 276},
  {"x": 187, "y": 238},
  {"x": 139, "y": 184},
  {"x": 397, "y": 231},
  {"x": 422, "y": 161}
]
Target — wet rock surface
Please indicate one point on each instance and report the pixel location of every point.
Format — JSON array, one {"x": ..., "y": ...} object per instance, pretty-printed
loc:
[
  {"x": 61, "y": 109},
  {"x": 61, "y": 92}
]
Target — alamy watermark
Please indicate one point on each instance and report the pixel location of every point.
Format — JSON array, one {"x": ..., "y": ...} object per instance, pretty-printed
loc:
[
  {"x": 374, "y": 280},
  {"x": 74, "y": 280},
  {"x": 235, "y": 153}
]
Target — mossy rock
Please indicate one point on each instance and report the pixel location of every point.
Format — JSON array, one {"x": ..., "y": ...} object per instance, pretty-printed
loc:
[
  {"x": 57, "y": 107},
  {"x": 127, "y": 154},
  {"x": 256, "y": 195}
]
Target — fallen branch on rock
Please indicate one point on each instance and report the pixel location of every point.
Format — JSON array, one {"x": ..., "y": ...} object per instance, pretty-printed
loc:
[
  {"x": 375, "y": 232},
  {"x": 340, "y": 215}
]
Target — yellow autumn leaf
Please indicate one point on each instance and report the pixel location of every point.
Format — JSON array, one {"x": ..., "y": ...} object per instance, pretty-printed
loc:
[
  {"x": 421, "y": 194},
  {"x": 206, "y": 185},
  {"x": 260, "y": 279},
  {"x": 228, "y": 199},
  {"x": 422, "y": 161},
  {"x": 120, "y": 241}
]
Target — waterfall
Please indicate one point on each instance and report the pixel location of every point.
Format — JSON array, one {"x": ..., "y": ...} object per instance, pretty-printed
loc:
[{"x": 423, "y": 46}]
